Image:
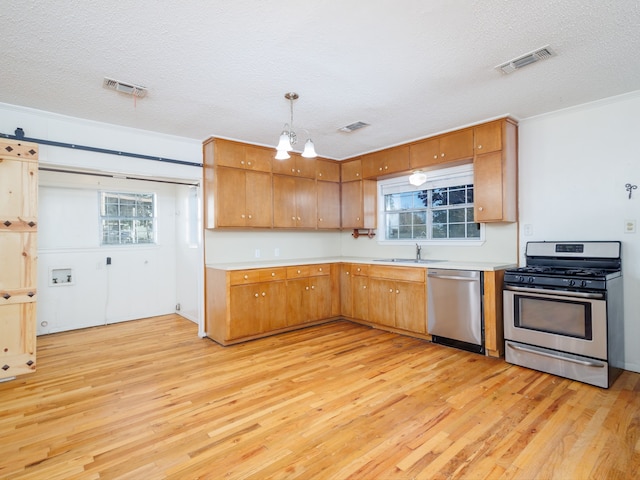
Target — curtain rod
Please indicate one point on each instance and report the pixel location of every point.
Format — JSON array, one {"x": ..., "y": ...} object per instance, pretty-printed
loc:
[{"x": 19, "y": 135}]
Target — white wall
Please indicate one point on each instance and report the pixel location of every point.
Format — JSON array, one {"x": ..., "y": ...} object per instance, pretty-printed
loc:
[
  {"x": 574, "y": 165},
  {"x": 141, "y": 281}
]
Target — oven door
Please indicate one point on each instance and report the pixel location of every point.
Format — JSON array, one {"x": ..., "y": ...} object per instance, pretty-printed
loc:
[{"x": 572, "y": 322}]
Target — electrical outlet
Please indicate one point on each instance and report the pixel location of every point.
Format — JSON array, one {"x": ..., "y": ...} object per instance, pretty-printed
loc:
[
  {"x": 257, "y": 253},
  {"x": 528, "y": 229},
  {"x": 630, "y": 226},
  {"x": 276, "y": 252}
]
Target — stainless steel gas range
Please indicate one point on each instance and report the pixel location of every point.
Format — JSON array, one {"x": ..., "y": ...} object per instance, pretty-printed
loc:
[{"x": 563, "y": 311}]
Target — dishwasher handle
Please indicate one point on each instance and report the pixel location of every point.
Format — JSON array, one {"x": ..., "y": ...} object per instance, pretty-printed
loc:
[{"x": 471, "y": 275}]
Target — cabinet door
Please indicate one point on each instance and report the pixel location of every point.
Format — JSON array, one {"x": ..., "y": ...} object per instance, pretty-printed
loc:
[
  {"x": 258, "y": 158},
  {"x": 382, "y": 301},
  {"x": 456, "y": 145},
  {"x": 319, "y": 297},
  {"x": 258, "y": 199},
  {"x": 274, "y": 307},
  {"x": 488, "y": 137},
  {"x": 328, "y": 204},
  {"x": 488, "y": 187},
  {"x": 411, "y": 303},
  {"x": 229, "y": 154},
  {"x": 425, "y": 153},
  {"x": 306, "y": 203},
  {"x": 245, "y": 310},
  {"x": 391, "y": 160},
  {"x": 346, "y": 290},
  {"x": 327, "y": 171},
  {"x": 296, "y": 301},
  {"x": 284, "y": 201},
  {"x": 351, "y": 207},
  {"x": 351, "y": 170},
  {"x": 230, "y": 197},
  {"x": 361, "y": 297}
]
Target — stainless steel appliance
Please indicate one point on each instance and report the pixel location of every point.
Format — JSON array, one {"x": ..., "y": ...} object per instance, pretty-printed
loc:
[
  {"x": 563, "y": 311},
  {"x": 455, "y": 308}
]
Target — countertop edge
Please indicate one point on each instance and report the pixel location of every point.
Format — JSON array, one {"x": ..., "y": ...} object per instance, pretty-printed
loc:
[{"x": 444, "y": 264}]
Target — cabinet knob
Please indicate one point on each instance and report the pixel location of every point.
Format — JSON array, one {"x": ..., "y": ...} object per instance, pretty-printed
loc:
[
  {"x": 298, "y": 170},
  {"x": 256, "y": 295},
  {"x": 380, "y": 169},
  {"x": 435, "y": 156},
  {"x": 364, "y": 287},
  {"x": 386, "y": 167},
  {"x": 319, "y": 174},
  {"x": 306, "y": 288},
  {"x": 313, "y": 287},
  {"x": 242, "y": 216},
  {"x": 357, "y": 174},
  {"x": 293, "y": 218},
  {"x": 320, "y": 219},
  {"x": 480, "y": 209},
  {"x": 320, "y": 269},
  {"x": 273, "y": 274},
  {"x": 397, "y": 291},
  {"x": 249, "y": 163},
  {"x": 479, "y": 147},
  {"x": 241, "y": 162},
  {"x": 358, "y": 218},
  {"x": 298, "y": 272},
  {"x": 298, "y": 218},
  {"x": 250, "y": 216},
  {"x": 391, "y": 290},
  {"x": 293, "y": 170},
  {"x": 264, "y": 294},
  {"x": 347, "y": 273},
  {"x": 246, "y": 277},
  {"x": 442, "y": 154}
]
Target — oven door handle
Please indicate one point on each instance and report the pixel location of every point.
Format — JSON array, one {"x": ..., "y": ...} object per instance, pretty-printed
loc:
[
  {"x": 557, "y": 357},
  {"x": 559, "y": 293}
]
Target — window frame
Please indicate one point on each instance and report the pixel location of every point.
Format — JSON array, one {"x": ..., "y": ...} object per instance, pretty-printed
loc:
[
  {"x": 441, "y": 178},
  {"x": 103, "y": 216}
]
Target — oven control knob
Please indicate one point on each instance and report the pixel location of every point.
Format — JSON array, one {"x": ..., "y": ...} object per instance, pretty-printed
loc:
[
  {"x": 583, "y": 283},
  {"x": 572, "y": 283},
  {"x": 520, "y": 278},
  {"x": 530, "y": 279}
]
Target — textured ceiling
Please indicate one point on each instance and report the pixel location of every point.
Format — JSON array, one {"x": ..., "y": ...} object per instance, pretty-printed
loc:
[{"x": 410, "y": 68}]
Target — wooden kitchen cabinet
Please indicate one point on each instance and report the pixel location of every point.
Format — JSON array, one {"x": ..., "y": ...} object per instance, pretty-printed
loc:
[
  {"x": 327, "y": 170},
  {"x": 296, "y": 165},
  {"x": 227, "y": 153},
  {"x": 346, "y": 290},
  {"x": 256, "y": 308},
  {"x": 385, "y": 162},
  {"x": 493, "y": 311},
  {"x": 294, "y": 202},
  {"x": 243, "y": 198},
  {"x": 360, "y": 292},
  {"x": 351, "y": 170},
  {"x": 358, "y": 204},
  {"x": 398, "y": 297},
  {"x": 18, "y": 272},
  {"x": 447, "y": 148},
  {"x": 328, "y": 205},
  {"x": 309, "y": 293},
  {"x": 495, "y": 175},
  {"x": 488, "y": 137}
]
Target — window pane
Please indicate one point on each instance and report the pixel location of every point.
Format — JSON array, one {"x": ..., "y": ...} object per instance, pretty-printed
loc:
[
  {"x": 439, "y": 197},
  {"x": 470, "y": 214},
  {"x": 127, "y": 218},
  {"x": 457, "y": 215},
  {"x": 457, "y": 197},
  {"x": 439, "y": 216},
  {"x": 473, "y": 230},
  {"x": 456, "y": 230},
  {"x": 439, "y": 231},
  {"x": 406, "y": 231},
  {"x": 421, "y": 199},
  {"x": 469, "y": 193}
]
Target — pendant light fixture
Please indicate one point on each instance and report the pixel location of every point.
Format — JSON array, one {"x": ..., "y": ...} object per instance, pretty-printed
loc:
[
  {"x": 417, "y": 178},
  {"x": 288, "y": 137}
]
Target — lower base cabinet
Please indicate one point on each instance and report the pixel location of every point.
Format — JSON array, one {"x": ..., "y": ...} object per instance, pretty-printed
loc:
[{"x": 246, "y": 304}]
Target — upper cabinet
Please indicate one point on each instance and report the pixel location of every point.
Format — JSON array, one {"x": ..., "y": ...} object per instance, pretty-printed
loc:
[
  {"x": 385, "y": 162},
  {"x": 351, "y": 170},
  {"x": 296, "y": 165},
  {"x": 327, "y": 170},
  {"x": 495, "y": 167},
  {"x": 446, "y": 148},
  {"x": 242, "y": 155}
]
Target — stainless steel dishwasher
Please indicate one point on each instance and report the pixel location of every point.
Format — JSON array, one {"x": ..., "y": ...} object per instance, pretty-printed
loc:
[{"x": 454, "y": 308}]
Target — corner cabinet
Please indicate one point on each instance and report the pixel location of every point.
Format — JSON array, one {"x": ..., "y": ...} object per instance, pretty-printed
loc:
[{"x": 18, "y": 274}]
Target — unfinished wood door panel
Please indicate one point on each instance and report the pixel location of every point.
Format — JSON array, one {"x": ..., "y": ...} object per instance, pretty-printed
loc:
[
  {"x": 17, "y": 339},
  {"x": 18, "y": 269},
  {"x": 18, "y": 190}
]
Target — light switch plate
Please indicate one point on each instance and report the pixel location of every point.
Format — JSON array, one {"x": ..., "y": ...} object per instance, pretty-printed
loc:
[{"x": 630, "y": 226}]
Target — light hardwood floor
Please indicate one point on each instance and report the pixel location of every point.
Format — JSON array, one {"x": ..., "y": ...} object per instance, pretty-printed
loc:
[{"x": 149, "y": 400}]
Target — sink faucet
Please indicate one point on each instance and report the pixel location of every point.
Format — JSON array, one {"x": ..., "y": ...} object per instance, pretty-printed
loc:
[{"x": 418, "y": 251}]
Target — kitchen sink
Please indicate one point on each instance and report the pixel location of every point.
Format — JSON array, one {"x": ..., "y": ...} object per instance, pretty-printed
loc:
[{"x": 407, "y": 260}]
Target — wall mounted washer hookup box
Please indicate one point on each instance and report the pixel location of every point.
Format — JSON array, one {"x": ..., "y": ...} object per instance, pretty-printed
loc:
[{"x": 61, "y": 276}]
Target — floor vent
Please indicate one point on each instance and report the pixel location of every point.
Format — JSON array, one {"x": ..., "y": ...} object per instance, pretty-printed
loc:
[
  {"x": 526, "y": 59},
  {"x": 353, "y": 126},
  {"x": 128, "y": 88}
]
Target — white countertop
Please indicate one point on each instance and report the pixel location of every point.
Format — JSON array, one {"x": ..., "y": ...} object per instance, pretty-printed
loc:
[{"x": 446, "y": 264}]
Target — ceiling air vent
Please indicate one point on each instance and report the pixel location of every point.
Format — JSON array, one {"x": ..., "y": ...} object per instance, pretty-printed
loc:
[
  {"x": 353, "y": 127},
  {"x": 526, "y": 59},
  {"x": 128, "y": 88}
]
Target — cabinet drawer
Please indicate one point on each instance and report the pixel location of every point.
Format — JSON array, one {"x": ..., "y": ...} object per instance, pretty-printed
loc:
[
  {"x": 272, "y": 274},
  {"x": 358, "y": 269},
  {"x": 317, "y": 270},
  {"x": 409, "y": 274},
  {"x": 299, "y": 271}
]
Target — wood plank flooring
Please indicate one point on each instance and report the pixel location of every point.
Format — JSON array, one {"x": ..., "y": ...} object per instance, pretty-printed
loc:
[{"x": 150, "y": 400}]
